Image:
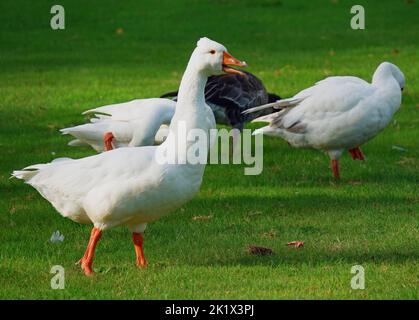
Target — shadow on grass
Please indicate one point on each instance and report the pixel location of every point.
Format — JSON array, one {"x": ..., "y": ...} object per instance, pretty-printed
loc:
[
  {"x": 221, "y": 240},
  {"x": 308, "y": 202},
  {"x": 360, "y": 245},
  {"x": 322, "y": 258}
]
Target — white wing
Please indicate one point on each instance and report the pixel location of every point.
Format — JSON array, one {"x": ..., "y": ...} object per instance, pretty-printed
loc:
[
  {"x": 336, "y": 113},
  {"x": 139, "y": 108},
  {"x": 66, "y": 182},
  {"x": 328, "y": 99},
  {"x": 300, "y": 96},
  {"x": 133, "y": 123}
]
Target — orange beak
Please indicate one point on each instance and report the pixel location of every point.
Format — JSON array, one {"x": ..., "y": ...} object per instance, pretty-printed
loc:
[{"x": 229, "y": 60}]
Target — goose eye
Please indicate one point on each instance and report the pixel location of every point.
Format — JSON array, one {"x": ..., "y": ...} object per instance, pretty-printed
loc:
[{"x": 212, "y": 51}]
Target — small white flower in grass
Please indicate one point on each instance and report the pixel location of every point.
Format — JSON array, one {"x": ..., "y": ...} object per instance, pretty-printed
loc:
[
  {"x": 56, "y": 237},
  {"x": 398, "y": 148}
]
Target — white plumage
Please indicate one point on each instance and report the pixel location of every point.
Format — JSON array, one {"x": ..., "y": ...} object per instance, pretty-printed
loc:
[
  {"x": 132, "y": 124},
  {"x": 132, "y": 186},
  {"x": 337, "y": 113}
]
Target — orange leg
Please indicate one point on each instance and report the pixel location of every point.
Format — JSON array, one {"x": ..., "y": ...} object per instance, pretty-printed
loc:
[
  {"x": 138, "y": 240},
  {"x": 107, "y": 139},
  {"x": 356, "y": 154},
  {"x": 87, "y": 249},
  {"x": 87, "y": 260},
  {"x": 335, "y": 168}
]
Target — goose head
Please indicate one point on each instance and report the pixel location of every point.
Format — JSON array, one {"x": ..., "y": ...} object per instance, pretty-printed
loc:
[
  {"x": 386, "y": 70},
  {"x": 212, "y": 58}
]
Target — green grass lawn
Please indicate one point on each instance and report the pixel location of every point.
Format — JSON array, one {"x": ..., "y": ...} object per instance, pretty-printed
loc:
[{"x": 47, "y": 78}]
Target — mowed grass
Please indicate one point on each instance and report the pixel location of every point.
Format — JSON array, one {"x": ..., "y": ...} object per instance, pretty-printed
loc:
[{"x": 370, "y": 218}]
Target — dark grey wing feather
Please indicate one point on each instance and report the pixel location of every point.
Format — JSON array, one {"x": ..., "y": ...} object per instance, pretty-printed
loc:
[
  {"x": 231, "y": 94},
  {"x": 236, "y": 93}
]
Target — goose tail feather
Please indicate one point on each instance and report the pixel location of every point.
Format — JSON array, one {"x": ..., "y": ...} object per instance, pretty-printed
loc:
[{"x": 280, "y": 104}]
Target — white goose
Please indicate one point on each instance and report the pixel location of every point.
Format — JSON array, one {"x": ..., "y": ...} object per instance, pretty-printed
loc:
[
  {"x": 337, "y": 113},
  {"x": 131, "y": 124},
  {"x": 132, "y": 186}
]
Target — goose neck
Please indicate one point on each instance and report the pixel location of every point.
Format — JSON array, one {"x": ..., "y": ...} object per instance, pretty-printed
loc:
[{"x": 191, "y": 90}]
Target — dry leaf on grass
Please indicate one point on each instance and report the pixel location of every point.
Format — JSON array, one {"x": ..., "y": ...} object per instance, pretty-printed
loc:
[
  {"x": 255, "y": 213},
  {"x": 406, "y": 161},
  {"x": 201, "y": 218},
  {"x": 260, "y": 251},
  {"x": 354, "y": 182},
  {"x": 296, "y": 244},
  {"x": 270, "y": 234},
  {"x": 327, "y": 72}
]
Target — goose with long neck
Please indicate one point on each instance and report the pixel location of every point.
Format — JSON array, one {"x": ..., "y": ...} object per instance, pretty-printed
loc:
[
  {"x": 337, "y": 113},
  {"x": 131, "y": 186},
  {"x": 141, "y": 122},
  {"x": 191, "y": 110},
  {"x": 209, "y": 58}
]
